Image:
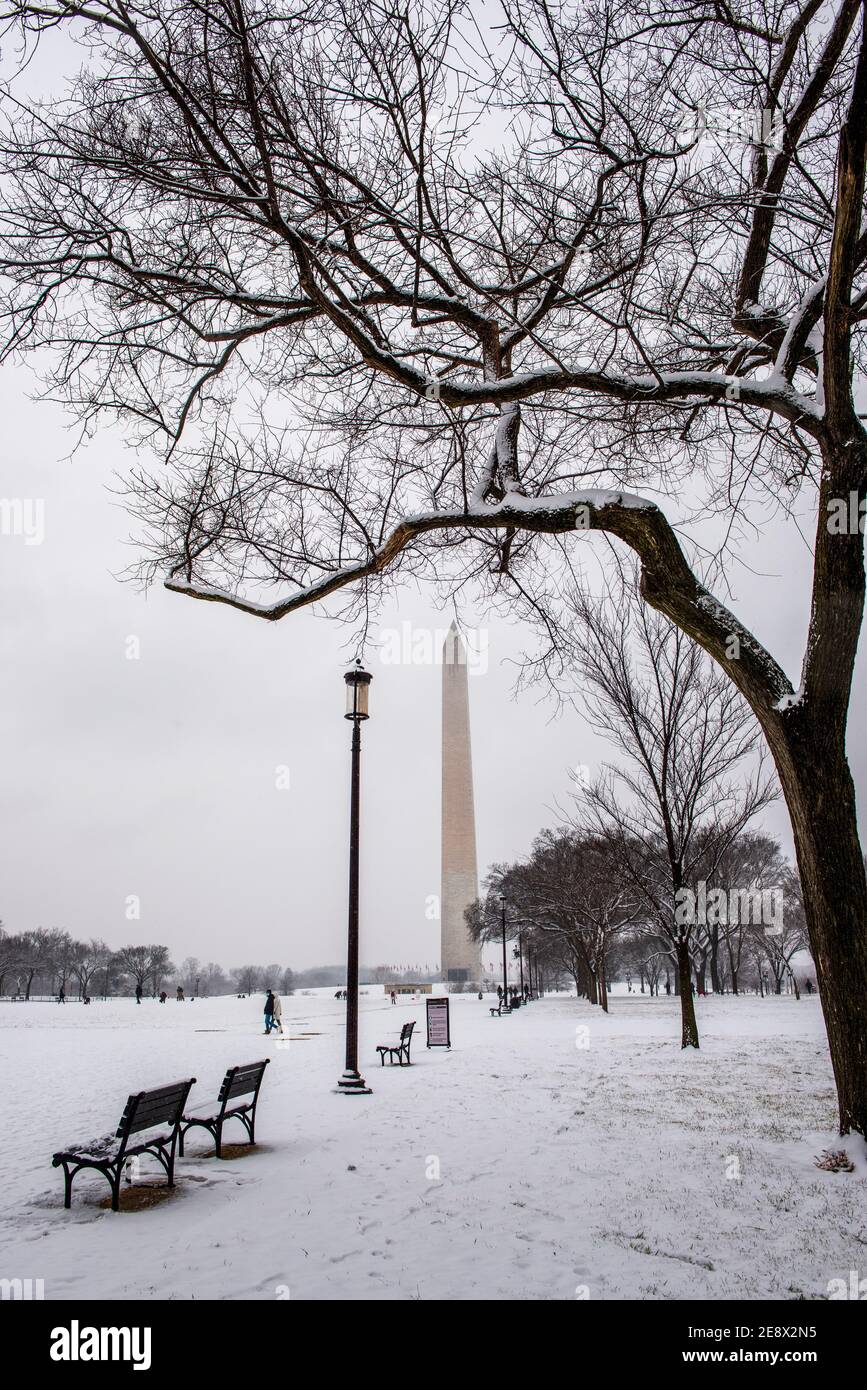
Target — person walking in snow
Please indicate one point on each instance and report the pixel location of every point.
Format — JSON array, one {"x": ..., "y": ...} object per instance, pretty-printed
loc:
[
  {"x": 277, "y": 1012},
  {"x": 61, "y": 998},
  {"x": 393, "y": 997},
  {"x": 138, "y": 994},
  {"x": 269, "y": 1011}
]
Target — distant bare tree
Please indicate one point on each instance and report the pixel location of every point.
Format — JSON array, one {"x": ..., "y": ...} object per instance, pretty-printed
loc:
[
  {"x": 11, "y": 955},
  {"x": 248, "y": 978},
  {"x": 214, "y": 980},
  {"x": 144, "y": 964},
  {"x": 426, "y": 288},
  {"x": 189, "y": 972},
  {"x": 753, "y": 862},
  {"x": 88, "y": 959},
  {"x": 780, "y": 946},
  {"x": 40, "y": 951},
  {"x": 674, "y": 804}
]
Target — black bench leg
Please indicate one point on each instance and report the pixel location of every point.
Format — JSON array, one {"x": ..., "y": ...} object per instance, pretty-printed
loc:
[
  {"x": 114, "y": 1182},
  {"x": 180, "y": 1143},
  {"x": 67, "y": 1187},
  {"x": 218, "y": 1140}
]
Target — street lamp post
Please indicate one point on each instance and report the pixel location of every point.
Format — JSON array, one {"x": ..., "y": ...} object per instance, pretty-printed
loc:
[
  {"x": 505, "y": 963},
  {"x": 352, "y": 1083},
  {"x": 521, "y": 959}
]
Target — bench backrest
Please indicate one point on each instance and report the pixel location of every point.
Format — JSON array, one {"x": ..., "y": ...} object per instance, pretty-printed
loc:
[
  {"x": 149, "y": 1108},
  {"x": 406, "y": 1031},
  {"x": 241, "y": 1081}
]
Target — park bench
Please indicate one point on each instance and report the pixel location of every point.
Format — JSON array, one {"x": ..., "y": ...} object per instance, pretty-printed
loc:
[
  {"x": 144, "y": 1111},
  {"x": 238, "y": 1081},
  {"x": 499, "y": 1009},
  {"x": 400, "y": 1049}
]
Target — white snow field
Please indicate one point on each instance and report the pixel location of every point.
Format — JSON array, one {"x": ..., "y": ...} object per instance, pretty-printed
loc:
[{"x": 520, "y": 1165}]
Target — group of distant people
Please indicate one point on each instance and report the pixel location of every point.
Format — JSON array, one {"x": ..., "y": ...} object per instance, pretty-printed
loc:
[
  {"x": 163, "y": 996},
  {"x": 516, "y": 996}
]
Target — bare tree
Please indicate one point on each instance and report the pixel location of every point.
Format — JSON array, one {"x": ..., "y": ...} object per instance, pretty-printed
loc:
[
  {"x": 11, "y": 952},
  {"x": 189, "y": 973},
  {"x": 40, "y": 951},
  {"x": 753, "y": 863},
  {"x": 473, "y": 281},
  {"x": 214, "y": 981},
  {"x": 62, "y": 960},
  {"x": 674, "y": 804},
  {"x": 144, "y": 964},
  {"x": 780, "y": 946},
  {"x": 88, "y": 958},
  {"x": 248, "y": 978}
]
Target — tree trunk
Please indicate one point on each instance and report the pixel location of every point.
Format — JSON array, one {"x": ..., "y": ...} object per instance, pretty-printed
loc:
[
  {"x": 734, "y": 972},
  {"x": 603, "y": 984},
  {"x": 689, "y": 1026},
  {"x": 821, "y": 799},
  {"x": 714, "y": 961},
  {"x": 700, "y": 980}
]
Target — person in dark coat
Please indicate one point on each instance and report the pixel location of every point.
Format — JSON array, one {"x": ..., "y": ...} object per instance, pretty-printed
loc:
[
  {"x": 269, "y": 1011},
  {"x": 138, "y": 994}
]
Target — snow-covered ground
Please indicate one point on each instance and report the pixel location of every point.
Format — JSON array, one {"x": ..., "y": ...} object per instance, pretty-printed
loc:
[{"x": 522, "y": 1164}]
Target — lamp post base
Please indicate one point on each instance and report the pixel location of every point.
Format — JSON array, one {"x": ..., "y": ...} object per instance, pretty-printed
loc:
[{"x": 352, "y": 1083}]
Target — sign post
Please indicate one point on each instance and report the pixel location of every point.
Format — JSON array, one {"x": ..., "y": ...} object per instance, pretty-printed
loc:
[{"x": 437, "y": 1019}]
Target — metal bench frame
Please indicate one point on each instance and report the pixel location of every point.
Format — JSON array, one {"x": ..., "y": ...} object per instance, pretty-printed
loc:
[
  {"x": 399, "y": 1049},
  {"x": 238, "y": 1081},
  {"x": 144, "y": 1110}
]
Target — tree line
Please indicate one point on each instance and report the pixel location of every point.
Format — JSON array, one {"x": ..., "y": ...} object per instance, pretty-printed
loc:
[
  {"x": 575, "y": 913},
  {"x": 44, "y": 962}
]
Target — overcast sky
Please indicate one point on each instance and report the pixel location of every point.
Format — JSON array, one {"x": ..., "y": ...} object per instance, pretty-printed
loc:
[{"x": 157, "y": 776}]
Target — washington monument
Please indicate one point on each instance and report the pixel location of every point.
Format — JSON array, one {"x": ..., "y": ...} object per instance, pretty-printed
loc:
[{"x": 460, "y": 884}]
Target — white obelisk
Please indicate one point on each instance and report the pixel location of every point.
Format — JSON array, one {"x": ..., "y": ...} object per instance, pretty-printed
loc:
[{"x": 460, "y": 884}]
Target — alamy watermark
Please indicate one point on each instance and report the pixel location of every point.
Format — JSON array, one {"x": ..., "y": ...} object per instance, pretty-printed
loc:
[
  {"x": 22, "y": 1290},
  {"x": 409, "y": 645},
  {"x": 733, "y": 126},
  {"x": 713, "y": 906},
  {"x": 77, "y": 1343},
  {"x": 851, "y": 1288},
  {"x": 23, "y": 517},
  {"x": 847, "y": 516}
]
